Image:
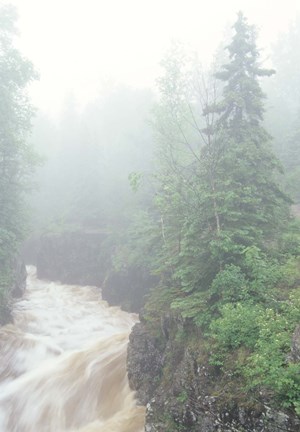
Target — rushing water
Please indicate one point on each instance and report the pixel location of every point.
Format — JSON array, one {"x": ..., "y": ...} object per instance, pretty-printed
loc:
[{"x": 63, "y": 363}]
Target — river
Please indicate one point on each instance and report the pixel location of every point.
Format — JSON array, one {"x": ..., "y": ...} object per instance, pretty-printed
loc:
[{"x": 63, "y": 363}]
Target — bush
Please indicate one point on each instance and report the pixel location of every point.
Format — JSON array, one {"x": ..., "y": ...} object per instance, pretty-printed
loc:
[{"x": 237, "y": 326}]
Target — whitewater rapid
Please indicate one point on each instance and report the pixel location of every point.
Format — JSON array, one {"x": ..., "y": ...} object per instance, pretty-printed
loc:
[{"x": 63, "y": 363}]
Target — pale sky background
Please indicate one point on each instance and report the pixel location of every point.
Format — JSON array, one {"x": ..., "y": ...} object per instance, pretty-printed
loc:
[{"x": 80, "y": 46}]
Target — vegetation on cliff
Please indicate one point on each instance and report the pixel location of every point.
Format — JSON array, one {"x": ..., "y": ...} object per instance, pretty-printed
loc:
[
  {"x": 16, "y": 156},
  {"x": 228, "y": 256},
  {"x": 213, "y": 224}
]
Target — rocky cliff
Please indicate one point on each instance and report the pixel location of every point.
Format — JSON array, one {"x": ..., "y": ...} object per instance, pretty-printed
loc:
[
  {"x": 183, "y": 392},
  {"x": 72, "y": 257},
  {"x": 128, "y": 288},
  {"x": 16, "y": 289},
  {"x": 84, "y": 258},
  {"x": 20, "y": 275}
]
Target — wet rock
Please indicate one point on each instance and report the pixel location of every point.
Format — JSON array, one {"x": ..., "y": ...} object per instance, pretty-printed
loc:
[
  {"x": 84, "y": 258},
  {"x": 127, "y": 288},
  {"x": 15, "y": 290},
  {"x": 30, "y": 249},
  {"x": 182, "y": 392},
  {"x": 5, "y": 315},
  {"x": 144, "y": 364},
  {"x": 72, "y": 257},
  {"x": 20, "y": 275}
]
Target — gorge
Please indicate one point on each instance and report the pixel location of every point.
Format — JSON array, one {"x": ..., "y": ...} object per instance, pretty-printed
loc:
[{"x": 63, "y": 363}]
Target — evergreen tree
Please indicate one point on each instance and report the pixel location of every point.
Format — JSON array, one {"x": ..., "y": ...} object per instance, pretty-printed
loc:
[
  {"x": 250, "y": 206},
  {"x": 16, "y": 156},
  {"x": 234, "y": 210},
  {"x": 228, "y": 263}
]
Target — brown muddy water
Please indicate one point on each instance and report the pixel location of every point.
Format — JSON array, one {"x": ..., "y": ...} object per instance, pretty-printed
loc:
[{"x": 63, "y": 363}]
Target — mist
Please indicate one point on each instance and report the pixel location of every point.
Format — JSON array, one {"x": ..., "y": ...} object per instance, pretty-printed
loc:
[
  {"x": 86, "y": 53},
  {"x": 84, "y": 47},
  {"x": 149, "y": 216}
]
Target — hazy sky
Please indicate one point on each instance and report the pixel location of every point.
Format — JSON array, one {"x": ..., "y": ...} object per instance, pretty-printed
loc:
[{"x": 80, "y": 46}]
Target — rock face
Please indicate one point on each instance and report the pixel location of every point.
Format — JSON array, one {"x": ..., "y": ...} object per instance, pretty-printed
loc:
[
  {"x": 182, "y": 392},
  {"x": 20, "y": 275},
  {"x": 72, "y": 257},
  {"x": 145, "y": 362},
  {"x": 128, "y": 288},
  {"x": 30, "y": 249},
  {"x": 16, "y": 289},
  {"x": 84, "y": 258}
]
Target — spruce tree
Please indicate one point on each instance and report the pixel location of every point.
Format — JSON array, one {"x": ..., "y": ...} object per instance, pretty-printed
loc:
[
  {"x": 240, "y": 205},
  {"x": 252, "y": 208}
]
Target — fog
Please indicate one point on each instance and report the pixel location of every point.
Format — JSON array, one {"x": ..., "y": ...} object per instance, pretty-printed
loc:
[
  {"x": 155, "y": 154},
  {"x": 85, "y": 46},
  {"x": 97, "y": 96}
]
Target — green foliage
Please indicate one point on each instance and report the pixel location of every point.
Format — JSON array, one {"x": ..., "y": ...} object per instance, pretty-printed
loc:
[
  {"x": 182, "y": 397},
  {"x": 263, "y": 274},
  {"x": 255, "y": 282},
  {"x": 266, "y": 334},
  {"x": 139, "y": 244},
  {"x": 230, "y": 250},
  {"x": 158, "y": 303},
  {"x": 194, "y": 306},
  {"x": 221, "y": 208},
  {"x": 268, "y": 366},
  {"x": 16, "y": 156},
  {"x": 230, "y": 285},
  {"x": 135, "y": 179},
  {"x": 201, "y": 306},
  {"x": 289, "y": 242},
  {"x": 252, "y": 207},
  {"x": 237, "y": 326}
]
